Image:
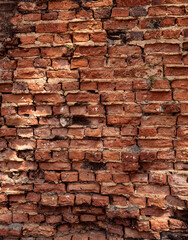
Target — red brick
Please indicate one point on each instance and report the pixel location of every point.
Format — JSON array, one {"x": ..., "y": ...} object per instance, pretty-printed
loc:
[
  {"x": 76, "y": 155},
  {"x": 19, "y": 217},
  {"x": 21, "y": 121},
  {"x": 128, "y": 131},
  {"x": 157, "y": 178},
  {"x": 23, "y": 52},
  {"x": 157, "y": 11},
  {"x": 29, "y": 74},
  {"x": 82, "y": 13},
  {"x": 139, "y": 177},
  {"x": 122, "y": 50},
  {"x": 79, "y": 62},
  {"x": 98, "y": 37},
  {"x": 49, "y": 200},
  {"x": 161, "y": 47},
  {"x": 182, "y": 21},
  {"x": 55, "y": 166},
  {"x": 119, "y": 200},
  {"x": 65, "y": 5},
  {"x": 42, "y": 63},
  {"x": 112, "y": 120},
  {"x": 132, "y": 3},
  {"x": 23, "y": 98},
  {"x": 159, "y": 224},
  {"x": 153, "y": 96},
  {"x": 143, "y": 226},
  {"x": 49, "y": 187},
  {"x": 158, "y": 120},
  {"x": 29, "y": 6},
  {"x": 63, "y": 74},
  {"x": 27, "y": 133},
  {"x": 67, "y": 15},
  {"x": 120, "y": 12},
  {"x": 165, "y": 155},
  {"x": 93, "y": 132},
  {"x": 83, "y": 187},
  {"x": 98, "y": 3},
  {"x": 83, "y": 97},
  {"x": 37, "y": 230},
  {"x": 122, "y": 213},
  {"x": 177, "y": 224},
  {"x": 175, "y": 10},
  {"x": 119, "y": 24},
  {"x": 171, "y": 34},
  {"x": 174, "y": 59},
  {"x": 42, "y": 155},
  {"x": 50, "y": 98},
  {"x": 88, "y": 86},
  {"x": 104, "y": 177},
  {"x": 61, "y": 109},
  {"x": 83, "y": 199},
  {"x": 119, "y": 189},
  {"x": 87, "y": 218},
  {"x": 96, "y": 109},
  {"x": 36, "y": 218},
  {"x": 66, "y": 200},
  {"x": 152, "y": 189},
  {"x": 52, "y": 177},
  {"x": 118, "y": 143},
  {"x": 6, "y": 218},
  {"x": 45, "y": 38},
  {"x": 7, "y": 132},
  {"x": 157, "y": 202},
  {"x": 22, "y": 144},
  {"x": 177, "y": 180},
  {"x": 86, "y": 176},
  {"x": 51, "y": 28},
  {"x": 100, "y": 74},
  {"x": 90, "y": 51},
  {"x": 27, "y": 40},
  {"x": 146, "y": 132},
  {"x": 121, "y": 178},
  {"x": 32, "y": 17},
  {"x": 152, "y": 143},
  {"x": 92, "y": 25},
  {"x": 153, "y": 23},
  {"x": 49, "y": 16},
  {"x": 182, "y": 132},
  {"x": 180, "y": 95},
  {"x": 93, "y": 156},
  {"x": 31, "y": 196},
  {"x": 53, "y": 52},
  {"x": 54, "y": 219}
]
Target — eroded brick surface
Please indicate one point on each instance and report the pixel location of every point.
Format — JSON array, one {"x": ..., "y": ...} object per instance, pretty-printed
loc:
[{"x": 94, "y": 120}]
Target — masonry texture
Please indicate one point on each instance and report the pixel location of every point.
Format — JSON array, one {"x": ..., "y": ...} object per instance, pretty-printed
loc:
[{"x": 94, "y": 120}]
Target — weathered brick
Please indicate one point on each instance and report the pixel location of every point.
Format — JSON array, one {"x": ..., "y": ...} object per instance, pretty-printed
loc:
[
  {"x": 37, "y": 230},
  {"x": 93, "y": 122},
  {"x": 66, "y": 200},
  {"x": 49, "y": 200},
  {"x": 65, "y": 5},
  {"x": 53, "y": 52},
  {"x": 23, "y": 52},
  {"x": 132, "y": 3},
  {"x": 83, "y": 187},
  {"x": 51, "y": 28}
]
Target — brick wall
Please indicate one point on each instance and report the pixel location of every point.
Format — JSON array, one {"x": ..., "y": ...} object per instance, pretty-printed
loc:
[
  {"x": 7, "y": 8},
  {"x": 94, "y": 120}
]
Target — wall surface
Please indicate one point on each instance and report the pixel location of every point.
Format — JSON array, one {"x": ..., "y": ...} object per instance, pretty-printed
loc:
[{"x": 94, "y": 120}]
